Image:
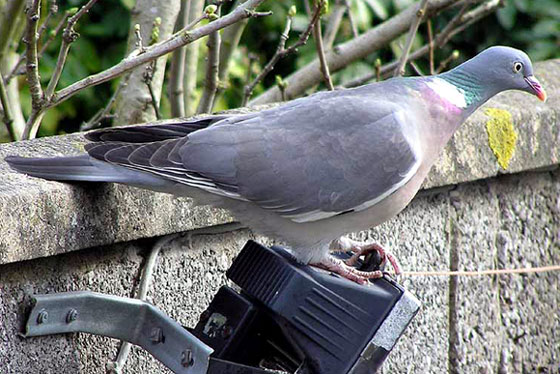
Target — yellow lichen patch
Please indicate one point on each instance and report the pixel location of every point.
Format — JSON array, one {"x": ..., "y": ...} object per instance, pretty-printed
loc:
[{"x": 502, "y": 137}]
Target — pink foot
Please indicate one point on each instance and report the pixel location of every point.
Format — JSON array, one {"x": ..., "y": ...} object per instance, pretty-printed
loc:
[
  {"x": 339, "y": 267},
  {"x": 363, "y": 249}
]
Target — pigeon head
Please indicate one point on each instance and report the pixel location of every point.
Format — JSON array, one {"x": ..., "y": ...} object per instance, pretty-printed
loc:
[{"x": 501, "y": 68}]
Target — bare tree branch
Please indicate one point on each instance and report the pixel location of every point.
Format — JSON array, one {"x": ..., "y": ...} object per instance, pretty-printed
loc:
[
  {"x": 281, "y": 51},
  {"x": 212, "y": 69},
  {"x": 53, "y": 9},
  {"x": 345, "y": 53},
  {"x": 318, "y": 36},
  {"x": 410, "y": 38},
  {"x": 351, "y": 19},
  {"x": 148, "y": 77},
  {"x": 103, "y": 113},
  {"x": 7, "y": 110},
  {"x": 443, "y": 64},
  {"x": 32, "y": 68},
  {"x": 457, "y": 24},
  {"x": 430, "y": 45},
  {"x": 69, "y": 35},
  {"x": 17, "y": 70},
  {"x": 333, "y": 24},
  {"x": 245, "y": 10},
  {"x": 12, "y": 14}
]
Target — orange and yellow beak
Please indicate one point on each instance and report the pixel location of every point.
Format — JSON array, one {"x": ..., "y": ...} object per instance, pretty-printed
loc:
[{"x": 536, "y": 87}]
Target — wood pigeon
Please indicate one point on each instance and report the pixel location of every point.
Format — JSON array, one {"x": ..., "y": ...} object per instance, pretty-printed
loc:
[{"x": 310, "y": 170}]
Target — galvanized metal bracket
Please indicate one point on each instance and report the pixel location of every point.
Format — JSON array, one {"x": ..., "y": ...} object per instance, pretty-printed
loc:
[{"x": 132, "y": 320}]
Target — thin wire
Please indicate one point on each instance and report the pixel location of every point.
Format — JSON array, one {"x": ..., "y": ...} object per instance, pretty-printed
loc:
[{"x": 541, "y": 269}]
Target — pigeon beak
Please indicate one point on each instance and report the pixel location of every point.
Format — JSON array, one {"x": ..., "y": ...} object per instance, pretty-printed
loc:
[{"x": 536, "y": 87}]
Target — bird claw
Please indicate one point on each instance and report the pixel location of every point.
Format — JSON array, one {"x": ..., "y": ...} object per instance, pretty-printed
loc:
[
  {"x": 341, "y": 268},
  {"x": 362, "y": 249}
]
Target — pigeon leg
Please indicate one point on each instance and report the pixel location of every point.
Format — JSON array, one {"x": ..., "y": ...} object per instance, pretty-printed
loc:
[
  {"x": 362, "y": 249},
  {"x": 339, "y": 267}
]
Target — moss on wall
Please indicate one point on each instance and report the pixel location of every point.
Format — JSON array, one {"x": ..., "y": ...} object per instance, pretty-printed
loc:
[{"x": 502, "y": 136}]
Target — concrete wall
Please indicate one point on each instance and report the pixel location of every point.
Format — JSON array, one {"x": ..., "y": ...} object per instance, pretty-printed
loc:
[{"x": 471, "y": 215}]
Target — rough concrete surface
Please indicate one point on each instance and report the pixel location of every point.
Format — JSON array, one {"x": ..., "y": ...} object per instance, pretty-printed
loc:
[
  {"x": 40, "y": 218},
  {"x": 482, "y": 219},
  {"x": 184, "y": 282},
  {"x": 506, "y": 324}
]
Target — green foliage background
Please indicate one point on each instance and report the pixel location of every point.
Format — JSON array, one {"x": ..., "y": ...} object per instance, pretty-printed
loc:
[{"x": 531, "y": 25}]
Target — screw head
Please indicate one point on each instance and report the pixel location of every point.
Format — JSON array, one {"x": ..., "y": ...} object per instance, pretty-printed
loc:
[
  {"x": 43, "y": 316},
  {"x": 187, "y": 358},
  {"x": 156, "y": 335},
  {"x": 71, "y": 316}
]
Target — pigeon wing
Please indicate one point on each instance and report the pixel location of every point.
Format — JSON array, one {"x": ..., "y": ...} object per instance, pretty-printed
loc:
[{"x": 312, "y": 161}]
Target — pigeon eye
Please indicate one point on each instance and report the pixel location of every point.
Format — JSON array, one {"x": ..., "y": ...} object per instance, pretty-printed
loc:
[{"x": 517, "y": 66}]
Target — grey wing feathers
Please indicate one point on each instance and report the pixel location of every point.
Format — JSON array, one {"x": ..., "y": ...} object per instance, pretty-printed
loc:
[
  {"x": 151, "y": 133},
  {"x": 159, "y": 158},
  {"x": 332, "y": 171},
  {"x": 307, "y": 160}
]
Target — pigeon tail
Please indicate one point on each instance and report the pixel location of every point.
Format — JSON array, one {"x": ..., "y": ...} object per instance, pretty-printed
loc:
[{"x": 82, "y": 168}]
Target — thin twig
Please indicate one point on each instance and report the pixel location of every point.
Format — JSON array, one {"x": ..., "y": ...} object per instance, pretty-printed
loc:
[
  {"x": 410, "y": 38},
  {"x": 212, "y": 70},
  {"x": 17, "y": 69},
  {"x": 139, "y": 42},
  {"x": 32, "y": 66},
  {"x": 333, "y": 24},
  {"x": 282, "y": 85},
  {"x": 353, "y": 26},
  {"x": 95, "y": 121},
  {"x": 190, "y": 26},
  {"x": 68, "y": 37},
  {"x": 252, "y": 59},
  {"x": 318, "y": 36},
  {"x": 52, "y": 35},
  {"x": 430, "y": 45},
  {"x": 416, "y": 68},
  {"x": 541, "y": 269},
  {"x": 7, "y": 110},
  {"x": 443, "y": 64},
  {"x": 148, "y": 78},
  {"x": 53, "y": 9},
  {"x": 32, "y": 69},
  {"x": 281, "y": 51}
]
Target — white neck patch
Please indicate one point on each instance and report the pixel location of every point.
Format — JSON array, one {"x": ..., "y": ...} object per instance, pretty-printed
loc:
[{"x": 448, "y": 92}]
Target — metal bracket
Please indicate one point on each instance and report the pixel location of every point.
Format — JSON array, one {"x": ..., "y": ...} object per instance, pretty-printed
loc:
[{"x": 132, "y": 320}]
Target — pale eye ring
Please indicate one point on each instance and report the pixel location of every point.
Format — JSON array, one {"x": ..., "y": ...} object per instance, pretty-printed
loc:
[{"x": 517, "y": 66}]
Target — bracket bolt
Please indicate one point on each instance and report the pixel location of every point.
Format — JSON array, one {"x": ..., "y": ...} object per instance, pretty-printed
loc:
[
  {"x": 187, "y": 358},
  {"x": 156, "y": 335},
  {"x": 71, "y": 316},
  {"x": 43, "y": 316}
]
